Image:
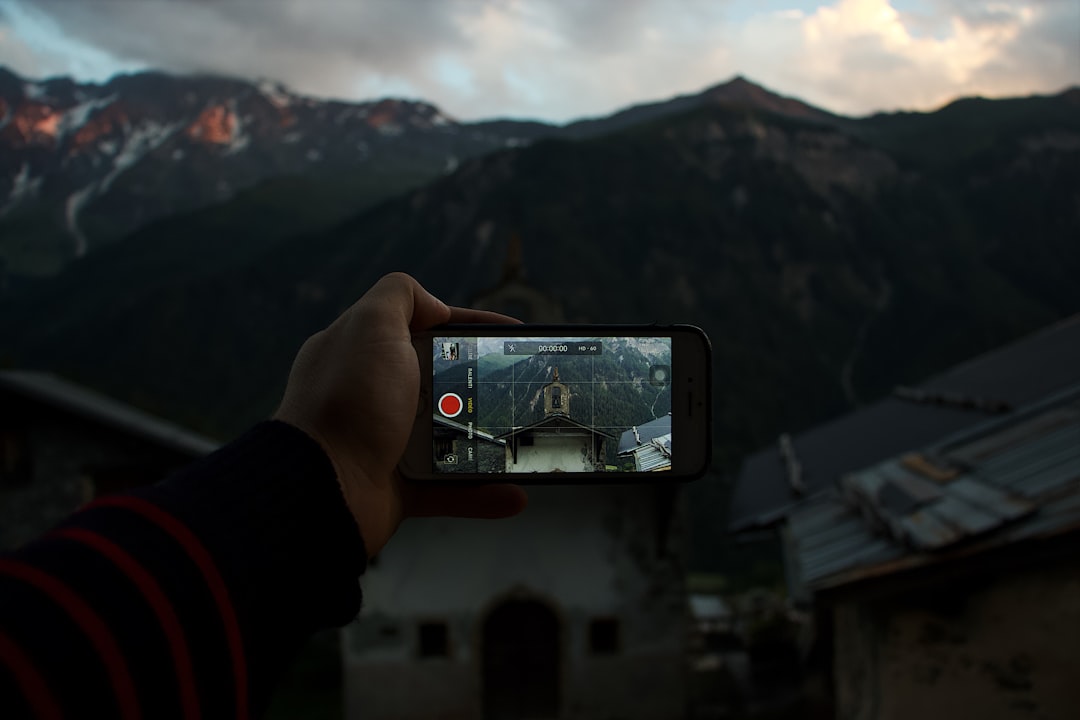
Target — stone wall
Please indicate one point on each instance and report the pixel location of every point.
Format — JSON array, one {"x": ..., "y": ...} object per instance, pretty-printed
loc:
[{"x": 992, "y": 647}]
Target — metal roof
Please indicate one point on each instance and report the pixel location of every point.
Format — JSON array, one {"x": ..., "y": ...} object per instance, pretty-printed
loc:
[
  {"x": 644, "y": 433},
  {"x": 1000, "y": 482},
  {"x": 1016, "y": 375},
  {"x": 68, "y": 397},
  {"x": 652, "y": 457}
]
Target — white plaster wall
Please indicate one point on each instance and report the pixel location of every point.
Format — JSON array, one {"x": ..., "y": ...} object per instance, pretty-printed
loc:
[
  {"x": 585, "y": 551},
  {"x": 552, "y": 453}
]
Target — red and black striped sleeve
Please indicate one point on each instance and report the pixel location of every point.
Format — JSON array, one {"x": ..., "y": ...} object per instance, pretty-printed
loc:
[{"x": 186, "y": 599}]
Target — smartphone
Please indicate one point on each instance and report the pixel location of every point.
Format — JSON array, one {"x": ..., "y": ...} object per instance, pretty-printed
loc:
[{"x": 559, "y": 404}]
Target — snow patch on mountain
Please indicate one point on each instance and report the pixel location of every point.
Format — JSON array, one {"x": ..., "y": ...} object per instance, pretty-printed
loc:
[
  {"x": 36, "y": 91},
  {"x": 74, "y": 205},
  {"x": 142, "y": 141},
  {"x": 23, "y": 188},
  {"x": 275, "y": 93},
  {"x": 74, "y": 118}
]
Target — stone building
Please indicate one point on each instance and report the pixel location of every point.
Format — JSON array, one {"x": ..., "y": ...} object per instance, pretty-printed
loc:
[
  {"x": 949, "y": 576},
  {"x": 935, "y": 536},
  {"x": 557, "y": 443},
  {"x": 575, "y": 609},
  {"x": 62, "y": 445}
]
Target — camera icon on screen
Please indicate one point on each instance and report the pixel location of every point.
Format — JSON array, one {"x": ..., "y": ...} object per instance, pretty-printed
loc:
[{"x": 450, "y": 459}]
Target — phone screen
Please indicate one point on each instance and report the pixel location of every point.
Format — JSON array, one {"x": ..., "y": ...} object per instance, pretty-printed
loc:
[{"x": 551, "y": 404}]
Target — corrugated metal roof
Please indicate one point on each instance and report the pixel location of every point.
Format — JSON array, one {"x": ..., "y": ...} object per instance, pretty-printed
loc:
[
  {"x": 61, "y": 394},
  {"x": 1019, "y": 374},
  {"x": 654, "y": 456},
  {"x": 1015, "y": 481},
  {"x": 644, "y": 433}
]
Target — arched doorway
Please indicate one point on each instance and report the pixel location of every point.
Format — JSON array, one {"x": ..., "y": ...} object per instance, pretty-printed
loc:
[{"x": 521, "y": 661}]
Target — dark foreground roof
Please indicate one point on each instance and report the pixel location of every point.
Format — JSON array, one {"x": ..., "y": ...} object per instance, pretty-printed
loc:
[
  {"x": 76, "y": 400},
  {"x": 1016, "y": 375},
  {"x": 1004, "y": 481}
]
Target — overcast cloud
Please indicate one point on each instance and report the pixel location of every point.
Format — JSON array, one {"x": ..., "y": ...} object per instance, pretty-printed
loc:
[{"x": 558, "y": 60}]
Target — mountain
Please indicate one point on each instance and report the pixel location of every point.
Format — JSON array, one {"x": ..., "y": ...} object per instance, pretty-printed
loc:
[
  {"x": 84, "y": 164},
  {"x": 827, "y": 261}
]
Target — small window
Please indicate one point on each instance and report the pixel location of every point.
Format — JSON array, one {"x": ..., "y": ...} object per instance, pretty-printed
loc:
[
  {"x": 434, "y": 640},
  {"x": 604, "y": 636},
  {"x": 525, "y": 440},
  {"x": 556, "y": 397}
]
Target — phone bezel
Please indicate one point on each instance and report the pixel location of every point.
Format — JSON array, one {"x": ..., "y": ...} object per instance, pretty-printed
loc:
[{"x": 691, "y": 405}]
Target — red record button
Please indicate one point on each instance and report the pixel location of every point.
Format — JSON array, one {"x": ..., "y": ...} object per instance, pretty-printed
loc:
[{"x": 451, "y": 405}]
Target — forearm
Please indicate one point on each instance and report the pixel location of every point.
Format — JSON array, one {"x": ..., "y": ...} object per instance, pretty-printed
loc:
[{"x": 191, "y": 594}]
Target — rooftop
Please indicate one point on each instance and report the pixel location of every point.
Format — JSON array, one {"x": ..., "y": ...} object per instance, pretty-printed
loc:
[
  {"x": 80, "y": 401},
  {"x": 960, "y": 399},
  {"x": 1005, "y": 480}
]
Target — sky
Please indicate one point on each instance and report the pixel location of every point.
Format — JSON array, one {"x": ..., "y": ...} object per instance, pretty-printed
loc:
[{"x": 558, "y": 60}]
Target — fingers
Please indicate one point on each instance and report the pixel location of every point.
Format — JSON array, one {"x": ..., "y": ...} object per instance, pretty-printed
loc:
[
  {"x": 467, "y": 315},
  {"x": 400, "y": 296},
  {"x": 485, "y": 501}
]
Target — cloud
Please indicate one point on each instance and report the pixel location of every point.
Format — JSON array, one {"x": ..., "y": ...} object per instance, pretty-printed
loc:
[
  {"x": 855, "y": 56},
  {"x": 558, "y": 60}
]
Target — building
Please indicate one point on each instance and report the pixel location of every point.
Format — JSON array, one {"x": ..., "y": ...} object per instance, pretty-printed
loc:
[
  {"x": 648, "y": 445},
  {"x": 61, "y": 445},
  {"x": 935, "y": 536},
  {"x": 576, "y": 609},
  {"x": 557, "y": 443},
  {"x": 775, "y": 480},
  {"x": 949, "y": 576}
]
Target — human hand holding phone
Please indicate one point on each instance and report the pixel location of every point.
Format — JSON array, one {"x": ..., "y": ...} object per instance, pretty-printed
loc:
[{"x": 354, "y": 388}]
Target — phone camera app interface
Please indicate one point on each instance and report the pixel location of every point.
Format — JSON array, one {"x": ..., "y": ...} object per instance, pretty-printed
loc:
[{"x": 551, "y": 405}]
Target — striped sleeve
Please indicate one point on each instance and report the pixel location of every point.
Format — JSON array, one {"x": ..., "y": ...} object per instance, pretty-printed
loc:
[{"x": 186, "y": 599}]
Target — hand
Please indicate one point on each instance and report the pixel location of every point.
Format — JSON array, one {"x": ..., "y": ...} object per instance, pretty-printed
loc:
[{"x": 354, "y": 388}]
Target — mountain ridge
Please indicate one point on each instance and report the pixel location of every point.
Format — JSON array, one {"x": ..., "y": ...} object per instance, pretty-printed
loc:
[{"x": 813, "y": 252}]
